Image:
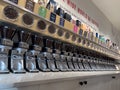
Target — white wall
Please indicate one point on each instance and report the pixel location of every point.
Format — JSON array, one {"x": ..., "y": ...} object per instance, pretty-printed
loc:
[{"x": 105, "y": 26}]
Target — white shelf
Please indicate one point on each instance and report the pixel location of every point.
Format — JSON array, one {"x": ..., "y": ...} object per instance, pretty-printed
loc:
[{"x": 17, "y": 80}]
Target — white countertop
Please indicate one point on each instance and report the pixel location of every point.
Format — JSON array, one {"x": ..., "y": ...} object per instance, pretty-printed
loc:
[{"x": 13, "y": 80}]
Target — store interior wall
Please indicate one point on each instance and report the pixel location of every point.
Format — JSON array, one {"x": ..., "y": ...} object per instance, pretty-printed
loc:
[{"x": 105, "y": 26}]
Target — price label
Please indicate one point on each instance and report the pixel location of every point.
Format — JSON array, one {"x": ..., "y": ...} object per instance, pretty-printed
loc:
[
  {"x": 85, "y": 34},
  {"x": 52, "y": 17},
  {"x": 62, "y": 21},
  {"x": 29, "y": 5},
  {"x": 14, "y": 1},
  {"x": 81, "y": 32}
]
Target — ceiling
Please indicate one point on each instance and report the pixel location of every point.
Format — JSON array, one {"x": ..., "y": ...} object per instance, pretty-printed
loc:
[{"x": 111, "y": 9}]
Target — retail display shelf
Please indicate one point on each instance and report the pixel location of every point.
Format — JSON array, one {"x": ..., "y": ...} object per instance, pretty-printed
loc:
[
  {"x": 97, "y": 47},
  {"x": 54, "y": 74}
]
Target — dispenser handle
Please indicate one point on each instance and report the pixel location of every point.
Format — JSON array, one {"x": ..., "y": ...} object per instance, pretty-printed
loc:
[
  {"x": 23, "y": 36},
  {"x": 36, "y": 40}
]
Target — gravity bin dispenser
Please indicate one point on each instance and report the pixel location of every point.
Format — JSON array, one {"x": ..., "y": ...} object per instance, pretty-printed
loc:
[
  {"x": 17, "y": 59},
  {"x": 51, "y": 43},
  {"x": 7, "y": 32}
]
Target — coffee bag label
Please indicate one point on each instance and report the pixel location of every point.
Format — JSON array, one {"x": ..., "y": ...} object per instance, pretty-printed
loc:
[
  {"x": 29, "y": 5},
  {"x": 42, "y": 11},
  {"x": 75, "y": 29},
  {"x": 14, "y": 1}
]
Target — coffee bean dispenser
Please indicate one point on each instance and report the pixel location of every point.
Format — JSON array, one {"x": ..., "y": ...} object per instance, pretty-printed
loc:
[
  {"x": 48, "y": 54},
  {"x": 34, "y": 50},
  {"x": 17, "y": 54},
  {"x": 6, "y": 43}
]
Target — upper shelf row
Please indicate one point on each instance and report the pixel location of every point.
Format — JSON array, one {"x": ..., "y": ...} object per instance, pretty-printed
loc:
[{"x": 48, "y": 23}]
